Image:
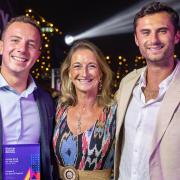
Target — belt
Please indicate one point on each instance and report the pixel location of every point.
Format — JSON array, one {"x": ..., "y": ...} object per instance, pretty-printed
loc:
[{"x": 70, "y": 173}]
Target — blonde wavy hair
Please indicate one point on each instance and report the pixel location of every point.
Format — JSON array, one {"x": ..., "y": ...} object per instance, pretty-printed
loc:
[{"x": 68, "y": 93}]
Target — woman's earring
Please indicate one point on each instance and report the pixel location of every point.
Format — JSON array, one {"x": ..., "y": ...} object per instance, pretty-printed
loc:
[{"x": 100, "y": 85}]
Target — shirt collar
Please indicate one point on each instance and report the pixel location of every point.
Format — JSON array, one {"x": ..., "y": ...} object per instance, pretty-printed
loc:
[
  {"x": 3, "y": 82},
  {"x": 31, "y": 86},
  {"x": 163, "y": 84}
]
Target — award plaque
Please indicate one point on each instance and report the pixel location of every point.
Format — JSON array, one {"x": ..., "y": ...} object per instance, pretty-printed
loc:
[{"x": 21, "y": 162}]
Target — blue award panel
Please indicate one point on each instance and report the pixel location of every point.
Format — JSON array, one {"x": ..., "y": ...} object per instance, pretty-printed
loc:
[{"x": 21, "y": 162}]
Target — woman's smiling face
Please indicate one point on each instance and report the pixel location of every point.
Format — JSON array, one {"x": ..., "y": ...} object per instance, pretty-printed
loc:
[{"x": 84, "y": 71}]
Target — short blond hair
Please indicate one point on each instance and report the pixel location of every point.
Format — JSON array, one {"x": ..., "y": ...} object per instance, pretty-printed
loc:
[{"x": 23, "y": 19}]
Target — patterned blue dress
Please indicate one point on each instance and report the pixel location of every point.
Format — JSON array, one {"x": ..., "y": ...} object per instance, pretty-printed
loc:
[{"x": 90, "y": 150}]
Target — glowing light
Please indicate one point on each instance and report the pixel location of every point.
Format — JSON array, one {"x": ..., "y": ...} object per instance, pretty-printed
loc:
[
  {"x": 69, "y": 39},
  {"x": 47, "y": 29},
  {"x": 42, "y": 68},
  {"x": 120, "y": 23},
  {"x": 56, "y": 29},
  {"x": 51, "y": 30}
]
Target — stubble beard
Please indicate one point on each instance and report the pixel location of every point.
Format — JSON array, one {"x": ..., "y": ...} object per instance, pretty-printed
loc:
[{"x": 162, "y": 59}]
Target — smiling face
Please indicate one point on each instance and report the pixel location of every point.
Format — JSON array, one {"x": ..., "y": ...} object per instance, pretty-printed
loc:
[
  {"x": 156, "y": 38},
  {"x": 19, "y": 48},
  {"x": 84, "y": 71}
]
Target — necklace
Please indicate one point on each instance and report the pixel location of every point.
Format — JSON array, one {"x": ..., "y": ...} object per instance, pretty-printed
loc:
[{"x": 79, "y": 123}]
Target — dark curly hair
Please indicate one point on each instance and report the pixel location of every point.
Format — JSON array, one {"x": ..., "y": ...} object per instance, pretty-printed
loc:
[{"x": 156, "y": 7}]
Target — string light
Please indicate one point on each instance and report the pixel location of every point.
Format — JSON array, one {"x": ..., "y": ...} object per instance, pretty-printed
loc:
[{"x": 42, "y": 68}]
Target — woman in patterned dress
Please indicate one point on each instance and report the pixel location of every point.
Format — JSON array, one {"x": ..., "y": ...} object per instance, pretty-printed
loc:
[{"x": 85, "y": 120}]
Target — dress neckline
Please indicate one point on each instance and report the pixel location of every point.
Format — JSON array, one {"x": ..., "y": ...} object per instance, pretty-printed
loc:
[{"x": 88, "y": 129}]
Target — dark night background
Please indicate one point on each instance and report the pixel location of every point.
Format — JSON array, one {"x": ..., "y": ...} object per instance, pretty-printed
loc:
[
  {"x": 77, "y": 16},
  {"x": 74, "y": 17}
]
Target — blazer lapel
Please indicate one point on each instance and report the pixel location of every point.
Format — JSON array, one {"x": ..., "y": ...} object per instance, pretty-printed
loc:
[
  {"x": 169, "y": 104},
  {"x": 124, "y": 98},
  {"x": 45, "y": 161}
]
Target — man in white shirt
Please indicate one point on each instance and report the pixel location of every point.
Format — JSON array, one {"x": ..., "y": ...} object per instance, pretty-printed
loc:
[{"x": 148, "y": 115}]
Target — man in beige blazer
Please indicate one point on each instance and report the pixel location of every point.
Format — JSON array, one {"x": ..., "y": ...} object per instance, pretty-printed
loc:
[{"x": 148, "y": 115}]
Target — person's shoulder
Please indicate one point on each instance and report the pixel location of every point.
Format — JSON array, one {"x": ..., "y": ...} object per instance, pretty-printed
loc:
[
  {"x": 42, "y": 91},
  {"x": 133, "y": 74},
  {"x": 178, "y": 65},
  {"x": 113, "y": 107},
  {"x": 43, "y": 94}
]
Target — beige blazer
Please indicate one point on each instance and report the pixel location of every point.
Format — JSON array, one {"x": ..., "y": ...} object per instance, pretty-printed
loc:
[{"x": 164, "y": 162}]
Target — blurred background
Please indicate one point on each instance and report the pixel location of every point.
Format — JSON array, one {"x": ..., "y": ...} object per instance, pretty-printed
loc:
[{"x": 108, "y": 24}]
